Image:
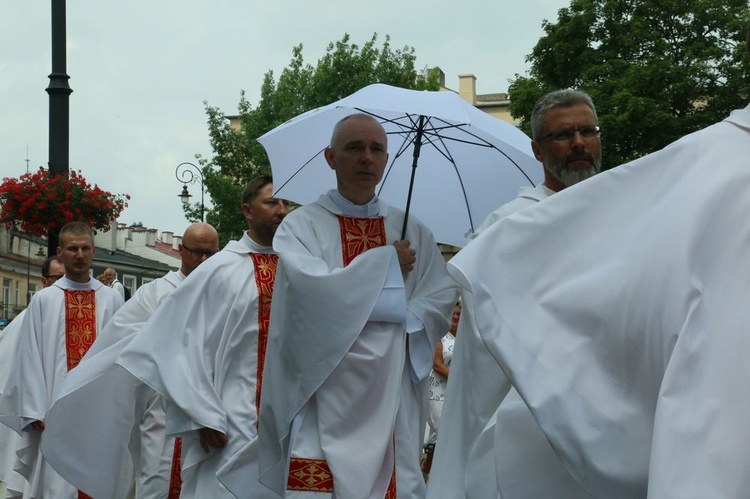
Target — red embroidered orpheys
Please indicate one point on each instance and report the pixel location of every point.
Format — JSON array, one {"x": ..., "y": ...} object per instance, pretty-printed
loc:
[
  {"x": 80, "y": 324},
  {"x": 265, "y": 275},
  {"x": 360, "y": 234},
  {"x": 314, "y": 475},
  {"x": 80, "y": 330},
  {"x": 175, "y": 478},
  {"x": 309, "y": 475},
  {"x": 390, "y": 492}
]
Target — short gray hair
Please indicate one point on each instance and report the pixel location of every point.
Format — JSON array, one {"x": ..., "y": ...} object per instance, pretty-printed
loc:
[{"x": 559, "y": 98}]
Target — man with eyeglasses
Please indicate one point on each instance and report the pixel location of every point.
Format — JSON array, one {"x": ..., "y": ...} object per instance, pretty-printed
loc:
[
  {"x": 60, "y": 326},
  {"x": 10, "y": 441},
  {"x": 511, "y": 455},
  {"x": 123, "y": 418},
  {"x": 629, "y": 340},
  {"x": 566, "y": 141},
  {"x": 209, "y": 366}
]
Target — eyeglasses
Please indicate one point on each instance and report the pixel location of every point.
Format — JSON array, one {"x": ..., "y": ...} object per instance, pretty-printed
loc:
[
  {"x": 200, "y": 253},
  {"x": 54, "y": 277},
  {"x": 568, "y": 134}
]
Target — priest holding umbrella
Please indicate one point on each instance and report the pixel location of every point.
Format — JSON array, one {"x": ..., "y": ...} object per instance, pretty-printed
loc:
[{"x": 357, "y": 312}]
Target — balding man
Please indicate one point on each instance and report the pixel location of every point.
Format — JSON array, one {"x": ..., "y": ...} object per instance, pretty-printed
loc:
[
  {"x": 90, "y": 424},
  {"x": 111, "y": 277},
  {"x": 356, "y": 316}
]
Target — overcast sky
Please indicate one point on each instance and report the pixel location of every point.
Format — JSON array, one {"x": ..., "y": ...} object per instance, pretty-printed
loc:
[{"x": 140, "y": 71}]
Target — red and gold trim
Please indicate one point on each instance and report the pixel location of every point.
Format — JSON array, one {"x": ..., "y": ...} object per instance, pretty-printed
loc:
[
  {"x": 80, "y": 324},
  {"x": 360, "y": 234},
  {"x": 390, "y": 492},
  {"x": 314, "y": 475},
  {"x": 175, "y": 477},
  {"x": 309, "y": 475},
  {"x": 265, "y": 275}
]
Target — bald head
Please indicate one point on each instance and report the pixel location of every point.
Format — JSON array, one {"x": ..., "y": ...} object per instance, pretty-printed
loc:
[
  {"x": 347, "y": 120},
  {"x": 199, "y": 242}
]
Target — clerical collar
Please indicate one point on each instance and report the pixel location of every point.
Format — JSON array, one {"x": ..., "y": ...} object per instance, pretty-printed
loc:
[
  {"x": 66, "y": 283},
  {"x": 369, "y": 210}
]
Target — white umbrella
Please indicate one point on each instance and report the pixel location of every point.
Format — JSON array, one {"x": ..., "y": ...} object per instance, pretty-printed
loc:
[{"x": 470, "y": 163}]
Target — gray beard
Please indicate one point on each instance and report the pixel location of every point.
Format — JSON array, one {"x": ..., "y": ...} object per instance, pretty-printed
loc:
[{"x": 568, "y": 176}]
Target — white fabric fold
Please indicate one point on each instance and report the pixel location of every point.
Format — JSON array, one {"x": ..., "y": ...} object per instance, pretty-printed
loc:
[{"x": 629, "y": 348}]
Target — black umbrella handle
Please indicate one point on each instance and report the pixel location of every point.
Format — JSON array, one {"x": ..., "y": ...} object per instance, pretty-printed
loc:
[{"x": 414, "y": 164}]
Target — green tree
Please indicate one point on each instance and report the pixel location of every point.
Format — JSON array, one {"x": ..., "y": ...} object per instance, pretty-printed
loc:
[
  {"x": 238, "y": 156},
  {"x": 656, "y": 69}
]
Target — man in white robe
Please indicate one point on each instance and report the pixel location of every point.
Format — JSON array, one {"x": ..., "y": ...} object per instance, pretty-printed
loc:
[
  {"x": 631, "y": 347},
  {"x": 60, "y": 325},
  {"x": 207, "y": 364},
  {"x": 113, "y": 283},
  {"x": 353, "y": 332},
  {"x": 511, "y": 448},
  {"x": 120, "y": 416},
  {"x": 10, "y": 441}
]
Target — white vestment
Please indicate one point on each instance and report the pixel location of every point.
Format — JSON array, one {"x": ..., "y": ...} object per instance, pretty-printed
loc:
[
  {"x": 120, "y": 416},
  {"x": 117, "y": 286},
  {"x": 42, "y": 366},
  {"x": 10, "y": 441},
  {"x": 199, "y": 351},
  {"x": 527, "y": 196},
  {"x": 511, "y": 457},
  {"x": 630, "y": 348},
  {"x": 338, "y": 363}
]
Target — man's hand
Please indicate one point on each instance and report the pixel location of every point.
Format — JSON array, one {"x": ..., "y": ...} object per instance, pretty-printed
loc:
[
  {"x": 406, "y": 255},
  {"x": 38, "y": 425},
  {"x": 212, "y": 438}
]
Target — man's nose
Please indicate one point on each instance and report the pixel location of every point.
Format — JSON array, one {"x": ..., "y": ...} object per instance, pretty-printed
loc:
[
  {"x": 282, "y": 208},
  {"x": 368, "y": 155},
  {"x": 577, "y": 141}
]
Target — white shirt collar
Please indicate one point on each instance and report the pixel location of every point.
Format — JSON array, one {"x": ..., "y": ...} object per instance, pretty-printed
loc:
[{"x": 369, "y": 210}]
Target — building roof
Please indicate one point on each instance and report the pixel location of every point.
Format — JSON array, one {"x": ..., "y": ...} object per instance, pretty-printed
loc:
[{"x": 119, "y": 258}]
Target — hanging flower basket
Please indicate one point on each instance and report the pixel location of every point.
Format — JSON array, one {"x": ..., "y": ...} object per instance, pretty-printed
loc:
[{"x": 37, "y": 202}]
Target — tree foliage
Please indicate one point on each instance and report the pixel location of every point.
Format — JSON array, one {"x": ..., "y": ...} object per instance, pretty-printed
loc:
[
  {"x": 238, "y": 156},
  {"x": 656, "y": 69}
]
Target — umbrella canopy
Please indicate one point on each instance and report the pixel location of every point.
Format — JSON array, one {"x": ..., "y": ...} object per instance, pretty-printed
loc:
[{"x": 467, "y": 164}]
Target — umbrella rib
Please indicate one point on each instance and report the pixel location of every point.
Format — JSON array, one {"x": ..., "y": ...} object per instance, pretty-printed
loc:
[
  {"x": 449, "y": 157},
  {"x": 483, "y": 143},
  {"x": 402, "y": 148},
  {"x": 299, "y": 170},
  {"x": 432, "y": 136}
]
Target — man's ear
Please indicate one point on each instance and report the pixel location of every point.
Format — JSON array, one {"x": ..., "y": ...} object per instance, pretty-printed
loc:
[
  {"x": 328, "y": 153},
  {"x": 247, "y": 211},
  {"x": 536, "y": 148}
]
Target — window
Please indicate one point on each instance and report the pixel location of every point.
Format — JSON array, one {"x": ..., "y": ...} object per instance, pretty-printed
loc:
[
  {"x": 129, "y": 282},
  {"x": 6, "y": 296}
]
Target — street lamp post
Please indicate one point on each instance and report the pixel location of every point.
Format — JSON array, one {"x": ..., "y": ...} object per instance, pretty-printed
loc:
[
  {"x": 59, "y": 93},
  {"x": 188, "y": 173}
]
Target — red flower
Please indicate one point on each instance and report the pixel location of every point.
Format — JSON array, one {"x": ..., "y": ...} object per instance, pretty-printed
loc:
[{"x": 37, "y": 202}]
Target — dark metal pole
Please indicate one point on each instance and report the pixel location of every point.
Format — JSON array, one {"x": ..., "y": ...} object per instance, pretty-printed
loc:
[
  {"x": 59, "y": 92},
  {"x": 415, "y": 163}
]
